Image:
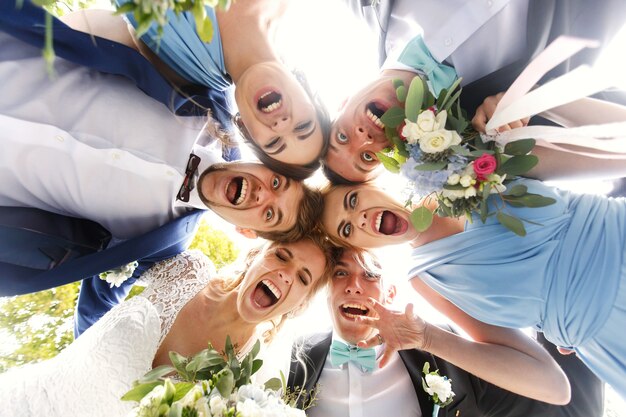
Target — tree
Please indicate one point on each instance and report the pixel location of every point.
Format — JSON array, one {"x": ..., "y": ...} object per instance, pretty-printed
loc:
[{"x": 40, "y": 325}]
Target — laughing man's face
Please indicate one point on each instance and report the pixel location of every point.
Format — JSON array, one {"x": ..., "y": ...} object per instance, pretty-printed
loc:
[{"x": 251, "y": 196}]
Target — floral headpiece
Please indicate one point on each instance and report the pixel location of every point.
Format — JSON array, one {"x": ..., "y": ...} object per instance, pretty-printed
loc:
[{"x": 434, "y": 146}]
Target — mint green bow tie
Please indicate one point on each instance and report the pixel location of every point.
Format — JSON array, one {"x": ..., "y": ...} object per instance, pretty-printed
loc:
[
  {"x": 341, "y": 353},
  {"x": 417, "y": 55}
]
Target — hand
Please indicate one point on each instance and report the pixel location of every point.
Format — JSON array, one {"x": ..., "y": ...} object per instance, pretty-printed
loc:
[
  {"x": 398, "y": 330},
  {"x": 486, "y": 110}
]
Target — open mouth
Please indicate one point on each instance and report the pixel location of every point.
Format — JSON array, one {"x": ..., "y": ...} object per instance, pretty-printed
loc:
[
  {"x": 387, "y": 223},
  {"x": 374, "y": 112},
  {"x": 270, "y": 101},
  {"x": 266, "y": 294},
  {"x": 236, "y": 190},
  {"x": 353, "y": 310}
]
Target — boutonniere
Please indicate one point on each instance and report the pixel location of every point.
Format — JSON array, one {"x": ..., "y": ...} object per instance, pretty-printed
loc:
[
  {"x": 438, "y": 387},
  {"x": 116, "y": 277}
]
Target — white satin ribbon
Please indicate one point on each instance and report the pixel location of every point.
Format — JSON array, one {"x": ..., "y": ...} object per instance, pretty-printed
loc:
[{"x": 563, "y": 100}]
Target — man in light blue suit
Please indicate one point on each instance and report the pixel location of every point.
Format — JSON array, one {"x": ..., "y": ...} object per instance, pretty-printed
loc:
[
  {"x": 487, "y": 43},
  {"x": 74, "y": 136}
]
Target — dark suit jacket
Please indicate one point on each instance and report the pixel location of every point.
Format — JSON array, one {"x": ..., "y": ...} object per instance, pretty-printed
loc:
[
  {"x": 474, "y": 397},
  {"x": 547, "y": 19}
]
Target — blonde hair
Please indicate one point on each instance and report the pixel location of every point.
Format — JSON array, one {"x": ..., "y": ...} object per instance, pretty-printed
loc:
[{"x": 223, "y": 284}]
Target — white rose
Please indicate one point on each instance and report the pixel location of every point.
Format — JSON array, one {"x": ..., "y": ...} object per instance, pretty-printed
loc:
[
  {"x": 438, "y": 141},
  {"x": 466, "y": 180},
  {"x": 438, "y": 385},
  {"x": 454, "y": 179},
  {"x": 426, "y": 121},
  {"x": 411, "y": 132},
  {"x": 470, "y": 192}
]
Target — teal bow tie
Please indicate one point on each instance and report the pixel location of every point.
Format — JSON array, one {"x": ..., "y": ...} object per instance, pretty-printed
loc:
[
  {"x": 341, "y": 353},
  {"x": 417, "y": 55}
]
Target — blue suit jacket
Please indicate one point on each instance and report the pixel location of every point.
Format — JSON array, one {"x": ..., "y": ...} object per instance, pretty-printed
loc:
[{"x": 40, "y": 250}]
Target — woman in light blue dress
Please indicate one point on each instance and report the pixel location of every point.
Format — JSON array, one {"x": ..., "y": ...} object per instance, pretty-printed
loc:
[
  {"x": 278, "y": 115},
  {"x": 566, "y": 277}
]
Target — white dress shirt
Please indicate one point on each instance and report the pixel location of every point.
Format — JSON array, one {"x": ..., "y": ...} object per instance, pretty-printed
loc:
[
  {"x": 347, "y": 391},
  {"x": 477, "y": 37},
  {"x": 90, "y": 145}
]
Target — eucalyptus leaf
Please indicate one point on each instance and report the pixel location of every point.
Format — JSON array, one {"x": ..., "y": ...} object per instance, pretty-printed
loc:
[
  {"x": 397, "y": 82},
  {"x": 140, "y": 391},
  {"x": 401, "y": 93},
  {"x": 421, "y": 218},
  {"x": 512, "y": 223},
  {"x": 429, "y": 100},
  {"x": 388, "y": 162},
  {"x": 393, "y": 117},
  {"x": 431, "y": 166},
  {"x": 442, "y": 96},
  {"x": 156, "y": 373},
  {"x": 484, "y": 208},
  {"x": 274, "y": 384},
  {"x": 536, "y": 200},
  {"x": 225, "y": 382},
  {"x": 460, "y": 150},
  {"x": 414, "y": 99},
  {"x": 480, "y": 152},
  {"x": 400, "y": 147},
  {"x": 519, "y": 147},
  {"x": 517, "y": 190},
  {"x": 182, "y": 388},
  {"x": 518, "y": 165},
  {"x": 179, "y": 361},
  {"x": 452, "y": 100},
  {"x": 256, "y": 365}
]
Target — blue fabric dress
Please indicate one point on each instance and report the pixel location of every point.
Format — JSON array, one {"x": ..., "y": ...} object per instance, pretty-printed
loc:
[{"x": 566, "y": 277}]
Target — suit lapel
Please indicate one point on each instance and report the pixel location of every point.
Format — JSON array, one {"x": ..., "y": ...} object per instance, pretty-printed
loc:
[{"x": 414, "y": 361}]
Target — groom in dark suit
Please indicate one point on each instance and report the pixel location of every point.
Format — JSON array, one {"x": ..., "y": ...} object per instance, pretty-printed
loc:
[
  {"x": 487, "y": 43},
  {"x": 347, "y": 388},
  {"x": 40, "y": 249}
]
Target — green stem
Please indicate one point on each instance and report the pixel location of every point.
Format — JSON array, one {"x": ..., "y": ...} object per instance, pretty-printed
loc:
[{"x": 48, "y": 50}]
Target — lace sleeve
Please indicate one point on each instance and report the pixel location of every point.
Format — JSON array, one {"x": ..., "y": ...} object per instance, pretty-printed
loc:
[{"x": 173, "y": 282}]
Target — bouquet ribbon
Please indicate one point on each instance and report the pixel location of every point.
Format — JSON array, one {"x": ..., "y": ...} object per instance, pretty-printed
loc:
[{"x": 597, "y": 125}]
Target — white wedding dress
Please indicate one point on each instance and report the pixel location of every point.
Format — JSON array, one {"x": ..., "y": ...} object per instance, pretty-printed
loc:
[{"x": 89, "y": 377}]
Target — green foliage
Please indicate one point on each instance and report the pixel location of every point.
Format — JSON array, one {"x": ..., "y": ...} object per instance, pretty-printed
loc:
[{"x": 41, "y": 323}]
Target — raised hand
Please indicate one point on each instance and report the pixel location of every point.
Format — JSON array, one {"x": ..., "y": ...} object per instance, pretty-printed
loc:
[
  {"x": 398, "y": 330},
  {"x": 486, "y": 110}
]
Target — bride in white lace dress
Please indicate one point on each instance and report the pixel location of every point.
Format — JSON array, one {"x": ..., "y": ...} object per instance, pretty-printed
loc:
[{"x": 183, "y": 307}]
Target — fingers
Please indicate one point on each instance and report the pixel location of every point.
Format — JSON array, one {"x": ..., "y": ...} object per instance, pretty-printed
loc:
[
  {"x": 479, "y": 121},
  {"x": 408, "y": 310},
  {"x": 371, "y": 342}
]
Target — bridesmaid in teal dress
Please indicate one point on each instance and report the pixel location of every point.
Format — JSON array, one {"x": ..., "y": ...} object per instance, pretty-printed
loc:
[
  {"x": 279, "y": 116},
  {"x": 566, "y": 277}
]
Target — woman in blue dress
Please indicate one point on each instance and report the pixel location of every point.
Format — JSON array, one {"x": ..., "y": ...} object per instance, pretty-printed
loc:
[
  {"x": 283, "y": 121},
  {"x": 566, "y": 277}
]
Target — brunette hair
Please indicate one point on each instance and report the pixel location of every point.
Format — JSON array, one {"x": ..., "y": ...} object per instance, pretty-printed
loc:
[
  {"x": 309, "y": 212},
  {"x": 297, "y": 172}
]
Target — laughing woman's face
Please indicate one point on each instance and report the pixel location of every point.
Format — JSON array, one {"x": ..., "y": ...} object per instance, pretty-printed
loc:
[
  {"x": 278, "y": 114},
  {"x": 366, "y": 217}
]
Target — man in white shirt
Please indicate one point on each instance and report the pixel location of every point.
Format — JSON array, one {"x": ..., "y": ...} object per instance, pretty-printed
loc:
[
  {"x": 349, "y": 388},
  {"x": 486, "y": 43}
]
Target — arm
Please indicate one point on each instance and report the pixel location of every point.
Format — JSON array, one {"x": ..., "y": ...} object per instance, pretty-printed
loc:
[{"x": 512, "y": 351}]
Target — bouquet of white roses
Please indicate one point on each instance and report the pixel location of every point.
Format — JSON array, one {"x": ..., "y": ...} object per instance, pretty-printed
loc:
[
  {"x": 436, "y": 149},
  {"x": 212, "y": 385}
]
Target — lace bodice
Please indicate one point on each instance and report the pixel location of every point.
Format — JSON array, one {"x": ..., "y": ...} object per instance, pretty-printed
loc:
[
  {"x": 90, "y": 376},
  {"x": 173, "y": 282}
]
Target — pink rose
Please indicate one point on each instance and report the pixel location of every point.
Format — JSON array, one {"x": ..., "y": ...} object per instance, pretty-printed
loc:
[{"x": 484, "y": 166}]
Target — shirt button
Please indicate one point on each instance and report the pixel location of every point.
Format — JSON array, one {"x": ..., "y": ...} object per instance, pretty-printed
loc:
[
  {"x": 447, "y": 42},
  {"x": 59, "y": 138},
  {"x": 116, "y": 155}
]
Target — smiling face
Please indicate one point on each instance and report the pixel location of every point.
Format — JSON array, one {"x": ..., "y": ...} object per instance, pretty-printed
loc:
[
  {"x": 354, "y": 280},
  {"x": 366, "y": 217},
  {"x": 251, "y": 196},
  {"x": 279, "y": 280},
  {"x": 278, "y": 114},
  {"x": 358, "y": 133}
]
